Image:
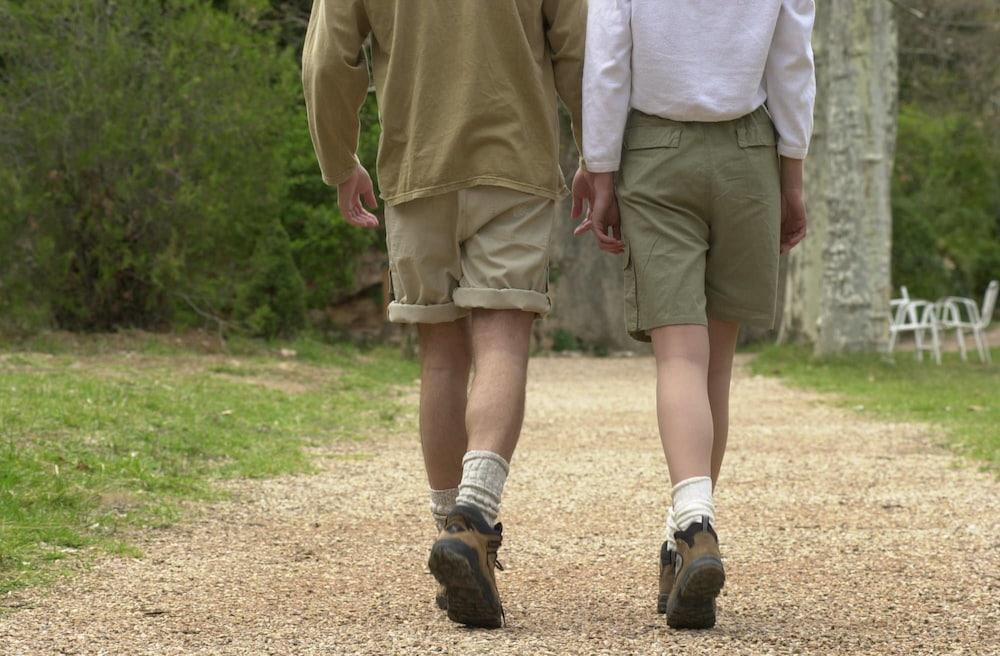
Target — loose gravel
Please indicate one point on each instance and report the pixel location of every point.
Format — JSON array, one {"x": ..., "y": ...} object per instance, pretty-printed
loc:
[{"x": 842, "y": 535}]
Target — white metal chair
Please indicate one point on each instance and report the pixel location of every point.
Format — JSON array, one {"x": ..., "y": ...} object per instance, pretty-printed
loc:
[
  {"x": 916, "y": 316},
  {"x": 904, "y": 297},
  {"x": 962, "y": 314}
]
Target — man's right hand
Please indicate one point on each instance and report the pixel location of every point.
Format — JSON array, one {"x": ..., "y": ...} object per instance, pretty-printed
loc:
[
  {"x": 603, "y": 215},
  {"x": 350, "y": 194}
]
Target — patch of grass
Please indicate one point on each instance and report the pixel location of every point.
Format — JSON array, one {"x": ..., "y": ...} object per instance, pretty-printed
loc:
[
  {"x": 961, "y": 397},
  {"x": 100, "y": 435}
]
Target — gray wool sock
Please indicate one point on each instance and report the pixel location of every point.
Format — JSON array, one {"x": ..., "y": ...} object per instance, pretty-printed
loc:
[
  {"x": 442, "y": 503},
  {"x": 483, "y": 476}
]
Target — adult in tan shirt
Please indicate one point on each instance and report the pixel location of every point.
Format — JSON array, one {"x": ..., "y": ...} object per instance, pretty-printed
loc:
[{"x": 468, "y": 168}]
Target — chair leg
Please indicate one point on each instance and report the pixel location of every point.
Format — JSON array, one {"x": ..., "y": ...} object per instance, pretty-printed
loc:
[
  {"x": 936, "y": 343},
  {"x": 984, "y": 353},
  {"x": 960, "y": 338},
  {"x": 892, "y": 339},
  {"x": 918, "y": 341}
]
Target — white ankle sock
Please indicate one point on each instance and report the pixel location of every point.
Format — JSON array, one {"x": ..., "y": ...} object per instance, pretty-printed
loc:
[
  {"x": 671, "y": 529},
  {"x": 692, "y": 500},
  {"x": 442, "y": 503},
  {"x": 483, "y": 476}
]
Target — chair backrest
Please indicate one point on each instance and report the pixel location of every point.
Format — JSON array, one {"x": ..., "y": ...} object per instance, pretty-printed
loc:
[{"x": 989, "y": 302}]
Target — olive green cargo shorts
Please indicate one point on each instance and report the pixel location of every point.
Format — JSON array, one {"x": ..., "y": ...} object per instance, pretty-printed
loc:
[
  {"x": 701, "y": 216},
  {"x": 481, "y": 247}
]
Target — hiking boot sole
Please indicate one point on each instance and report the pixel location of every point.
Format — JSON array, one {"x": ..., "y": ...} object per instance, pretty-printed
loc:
[
  {"x": 470, "y": 599},
  {"x": 693, "y": 605}
]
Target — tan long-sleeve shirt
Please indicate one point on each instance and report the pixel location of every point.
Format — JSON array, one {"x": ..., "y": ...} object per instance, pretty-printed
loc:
[{"x": 466, "y": 90}]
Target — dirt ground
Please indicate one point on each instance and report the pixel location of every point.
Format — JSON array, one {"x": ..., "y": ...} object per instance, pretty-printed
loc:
[{"x": 841, "y": 536}]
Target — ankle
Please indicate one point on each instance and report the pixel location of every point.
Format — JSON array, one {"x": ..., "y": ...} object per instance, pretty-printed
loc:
[
  {"x": 483, "y": 476},
  {"x": 442, "y": 505},
  {"x": 692, "y": 501}
]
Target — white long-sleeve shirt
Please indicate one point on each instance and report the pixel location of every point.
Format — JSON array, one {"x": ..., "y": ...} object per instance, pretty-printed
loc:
[{"x": 697, "y": 60}]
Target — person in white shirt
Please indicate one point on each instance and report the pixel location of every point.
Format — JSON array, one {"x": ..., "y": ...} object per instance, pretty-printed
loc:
[{"x": 697, "y": 116}]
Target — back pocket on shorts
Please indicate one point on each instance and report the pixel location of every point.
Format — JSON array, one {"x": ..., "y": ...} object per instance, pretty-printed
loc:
[
  {"x": 645, "y": 150},
  {"x": 644, "y": 137},
  {"x": 752, "y": 133}
]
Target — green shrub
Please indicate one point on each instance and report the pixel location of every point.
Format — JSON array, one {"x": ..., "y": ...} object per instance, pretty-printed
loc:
[
  {"x": 563, "y": 340},
  {"x": 272, "y": 302},
  {"x": 325, "y": 246},
  {"x": 141, "y": 159},
  {"x": 946, "y": 205}
]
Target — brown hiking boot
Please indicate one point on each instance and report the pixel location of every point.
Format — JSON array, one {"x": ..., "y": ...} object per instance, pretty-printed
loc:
[
  {"x": 698, "y": 578},
  {"x": 462, "y": 560},
  {"x": 666, "y": 577}
]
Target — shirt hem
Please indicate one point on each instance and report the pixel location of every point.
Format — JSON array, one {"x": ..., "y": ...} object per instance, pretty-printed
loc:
[{"x": 479, "y": 180}]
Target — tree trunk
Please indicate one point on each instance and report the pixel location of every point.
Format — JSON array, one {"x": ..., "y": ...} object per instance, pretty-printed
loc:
[{"x": 838, "y": 285}]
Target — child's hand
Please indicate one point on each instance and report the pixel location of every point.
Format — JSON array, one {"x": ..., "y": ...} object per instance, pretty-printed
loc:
[
  {"x": 793, "y": 208},
  {"x": 793, "y": 219},
  {"x": 603, "y": 212},
  {"x": 583, "y": 195},
  {"x": 349, "y": 195}
]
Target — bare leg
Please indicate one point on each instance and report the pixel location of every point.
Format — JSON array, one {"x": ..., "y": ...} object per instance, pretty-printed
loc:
[
  {"x": 683, "y": 408},
  {"x": 500, "y": 343},
  {"x": 446, "y": 359},
  {"x": 722, "y": 337}
]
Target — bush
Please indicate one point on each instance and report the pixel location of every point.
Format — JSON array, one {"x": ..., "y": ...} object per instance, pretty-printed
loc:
[
  {"x": 325, "y": 246},
  {"x": 273, "y": 300},
  {"x": 141, "y": 161},
  {"x": 946, "y": 206}
]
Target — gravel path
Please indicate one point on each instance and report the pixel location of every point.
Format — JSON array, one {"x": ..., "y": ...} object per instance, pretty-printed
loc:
[{"x": 841, "y": 536}]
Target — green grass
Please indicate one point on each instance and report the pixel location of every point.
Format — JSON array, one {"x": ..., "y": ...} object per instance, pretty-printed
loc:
[
  {"x": 99, "y": 435},
  {"x": 963, "y": 398}
]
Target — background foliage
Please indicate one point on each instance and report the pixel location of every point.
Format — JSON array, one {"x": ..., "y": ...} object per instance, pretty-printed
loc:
[
  {"x": 156, "y": 168},
  {"x": 946, "y": 193}
]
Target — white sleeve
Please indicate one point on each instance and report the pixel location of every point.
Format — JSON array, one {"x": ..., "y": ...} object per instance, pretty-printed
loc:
[
  {"x": 790, "y": 77},
  {"x": 607, "y": 83}
]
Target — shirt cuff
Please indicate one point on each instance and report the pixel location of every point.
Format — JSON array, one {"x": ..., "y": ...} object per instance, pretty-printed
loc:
[
  {"x": 791, "y": 152},
  {"x": 342, "y": 175},
  {"x": 609, "y": 166}
]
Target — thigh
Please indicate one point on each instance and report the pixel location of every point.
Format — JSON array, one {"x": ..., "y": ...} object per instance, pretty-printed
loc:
[
  {"x": 505, "y": 251},
  {"x": 742, "y": 267},
  {"x": 424, "y": 258},
  {"x": 662, "y": 192}
]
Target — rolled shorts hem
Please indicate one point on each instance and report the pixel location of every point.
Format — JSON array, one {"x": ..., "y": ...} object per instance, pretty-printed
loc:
[
  {"x": 502, "y": 299},
  {"x": 442, "y": 313},
  {"x": 642, "y": 334}
]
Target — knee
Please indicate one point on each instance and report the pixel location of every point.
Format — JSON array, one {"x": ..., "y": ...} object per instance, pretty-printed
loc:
[{"x": 691, "y": 360}]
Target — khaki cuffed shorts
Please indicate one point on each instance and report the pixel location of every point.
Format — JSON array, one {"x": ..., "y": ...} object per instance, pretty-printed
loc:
[
  {"x": 480, "y": 247},
  {"x": 701, "y": 215}
]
